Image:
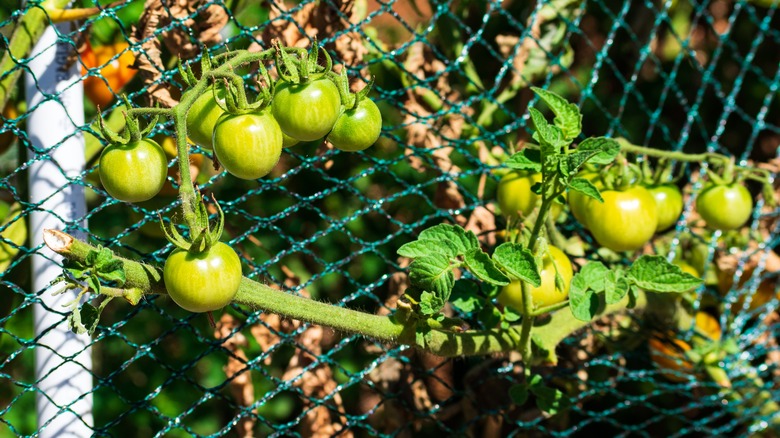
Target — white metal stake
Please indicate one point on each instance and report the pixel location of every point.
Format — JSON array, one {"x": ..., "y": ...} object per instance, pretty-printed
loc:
[{"x": 63, "y": 360}]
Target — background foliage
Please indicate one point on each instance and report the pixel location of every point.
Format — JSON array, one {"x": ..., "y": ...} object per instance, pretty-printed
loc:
[{"x": 452, "y": 80}]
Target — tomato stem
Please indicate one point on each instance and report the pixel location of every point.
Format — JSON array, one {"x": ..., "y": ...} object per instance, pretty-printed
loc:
[
  {"x": 526, "y": 327},
  {"x": 439, "y": 341}
]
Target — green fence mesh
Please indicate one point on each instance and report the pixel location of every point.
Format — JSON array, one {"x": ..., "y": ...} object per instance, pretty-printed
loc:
[{"x": 452, "y": 80}]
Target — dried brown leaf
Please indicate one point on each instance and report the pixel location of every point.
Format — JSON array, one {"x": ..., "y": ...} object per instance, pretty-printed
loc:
[{"x": 236, "y": 371}]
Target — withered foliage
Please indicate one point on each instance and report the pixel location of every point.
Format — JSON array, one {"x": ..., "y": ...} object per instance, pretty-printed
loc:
[{"x": 170, "y": 22}]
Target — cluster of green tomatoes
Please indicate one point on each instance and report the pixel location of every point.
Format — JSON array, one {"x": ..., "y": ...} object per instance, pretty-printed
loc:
[
  {"x": 307, "y": 103},
  {"x": 626, "y": 220},
  {"x": 248, "y": 144}
]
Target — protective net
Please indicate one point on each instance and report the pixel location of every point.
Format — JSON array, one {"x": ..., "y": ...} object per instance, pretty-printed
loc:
[{"x": 452, "y": 81}]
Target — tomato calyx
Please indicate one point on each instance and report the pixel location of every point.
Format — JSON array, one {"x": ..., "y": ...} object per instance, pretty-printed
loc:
[
  {"x": 304, "y": 69},
  {"x": 132, "y": 131},
  {"x": 203, "y": 237}
]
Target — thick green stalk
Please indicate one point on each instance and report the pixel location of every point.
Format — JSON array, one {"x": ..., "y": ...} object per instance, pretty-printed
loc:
[
  {"x": 26, "y": 34},
  {"x": 441, "y": 342}
]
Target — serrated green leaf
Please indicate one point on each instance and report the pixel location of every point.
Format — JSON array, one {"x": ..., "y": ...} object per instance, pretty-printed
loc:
[
  {"x": 522, "y": 161},
  {"x": 518, "y": 262},
  {"x": 94, "y": 283},
  {"x": 432, "y": 273},
  {"x": 583, "y": 302},
  {"x": 550, "y": 400},
  {"x": 113, "y": 271},
  {"x": 89, "y": 317},
  {"x": 655, "y": 274},
  {"x": 549, "y": 137},
  {"x": 518, "y": 394},
  {"x": 594, "y": 273},
  {"x": 464, "y": 241},
  {"x": 600, "y": 150},
  {"x": 430, "y": 303},
  {"x": 104, "y": 257},
  {"x": 567, "y": 115},
  {"x": 465, "y": 296},
  {"x": 91, "y": 257},
  {"x": 74, "y": 322},
  {"x": 77, "y": 272},
  {"x": 483, "y": 267},
  {"x": 423, "y": 247},
  {"x": 615, "y": 287},
  {"x": 582, "y": 185}
]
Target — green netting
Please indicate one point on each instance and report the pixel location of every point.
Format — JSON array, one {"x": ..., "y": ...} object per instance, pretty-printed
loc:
[{"x": 452, "y": 81}]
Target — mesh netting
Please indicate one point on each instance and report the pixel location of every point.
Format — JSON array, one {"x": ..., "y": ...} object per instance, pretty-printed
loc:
[{"x": 452, "y": 81}]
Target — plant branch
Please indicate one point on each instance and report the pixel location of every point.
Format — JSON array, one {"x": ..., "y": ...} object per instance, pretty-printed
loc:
[{"x": 441, "y": 342}]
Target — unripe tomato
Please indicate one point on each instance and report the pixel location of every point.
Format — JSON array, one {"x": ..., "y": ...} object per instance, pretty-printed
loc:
[
  {"x": 288, "y": 141},
  {"x": 578, "y": 202},
  {"x": 625, "y": 221},
  {"x": 205, "y": 281},
  {"x": 202, "y": 118},
  {"x": 114, "y": 73},
  {"x": 724, "y": 206},
  {"x": 306, "y": 111},
  {"x": 357, "y": 128},
  {"x": 248, "y": 145},
  {"x": 133, "y": 172},
  {"x": 514, "y": 193},
  {"x": 546, "y": 294},
  {"x": 670, "y": 204}
]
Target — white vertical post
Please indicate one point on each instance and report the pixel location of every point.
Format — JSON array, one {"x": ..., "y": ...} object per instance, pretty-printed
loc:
[{"x": 63, "y": 359}]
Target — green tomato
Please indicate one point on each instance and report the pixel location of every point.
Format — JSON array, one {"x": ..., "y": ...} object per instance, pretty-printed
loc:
[
  {"x": 625, "y": 221},
  {"x": 670, "y": 204},
  {"x": 306, "y": 111},
  {"x": 133, "y": 172},
  {"x": 724, "y": 207},
  {"x": 546, "y": 294},
  {"x": 357, "y": 128},
  {"x": 205, "y": 281},
  {"x": 514, "y": 193},
  {"x": 288, "y": 141},
  {"x": 248, "y": 145},
  {"x": 578, "y": 202},
  {"x": 202, "y": 117}
]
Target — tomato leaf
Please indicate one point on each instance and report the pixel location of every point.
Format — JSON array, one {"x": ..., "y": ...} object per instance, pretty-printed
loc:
[
  {"x": 615, "y": 287},
  {"x": 465, "y": 296},
  {"x": 599, "y": 150},
  {"x": 655, "y": 274},
  {"x": 550, "y": 400},
  {"x": 430, "y": 303},
  {"x": 549, "y": 137},
  {"x": 518, "y": 262},
  {"x": 518, "y": 394},
  {"x": 567, "y": 116},
  {"x": 112, "y": 271},
  {"x": 483, "y": 267},
  {"x": 432, "y": 273},
  {"x": 585, "y": 187},
  {"x": 523, "y": 161},
  {"x": 464, "y": 241},
  {"x": 594, "y": 275},
  {"x": 583, "y": 302},
  {"x": 424, "y": 247}
]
